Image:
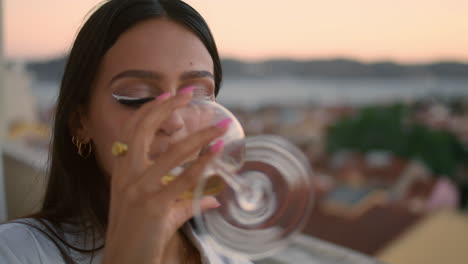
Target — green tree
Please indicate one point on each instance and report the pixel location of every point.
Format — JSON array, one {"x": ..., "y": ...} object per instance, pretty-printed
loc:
[{"x": 387, "y": 128}]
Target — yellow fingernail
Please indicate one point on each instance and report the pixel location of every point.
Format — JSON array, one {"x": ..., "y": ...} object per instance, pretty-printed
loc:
[
  {"x": 167, "y": 179},
  {"x": 119, "y": 149}
]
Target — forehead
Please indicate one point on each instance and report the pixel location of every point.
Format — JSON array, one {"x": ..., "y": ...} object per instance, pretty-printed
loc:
[{"x": 160, "y": 45}]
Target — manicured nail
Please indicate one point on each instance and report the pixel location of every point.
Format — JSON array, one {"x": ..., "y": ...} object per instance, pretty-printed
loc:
[
  {"x": 215, "y": 204},
  {"x": 165, "y": 180},
  {"x": 211, "y": 202},
  {"x": 224, "y": 123},
  {"x": 163, "y": 96},
  {"x": 217, "y": 146},
  {"x": 187, "y": 90}
]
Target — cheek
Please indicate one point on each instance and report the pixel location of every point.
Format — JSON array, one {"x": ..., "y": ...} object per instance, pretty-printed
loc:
[{"x": 107, "y": 128}]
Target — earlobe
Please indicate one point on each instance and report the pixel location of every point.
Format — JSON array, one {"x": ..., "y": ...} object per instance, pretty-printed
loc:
[
  {"x": 84, "y": 148},
  {"x": 80, "y": 136},
  {"x": 78, "y": 126}
]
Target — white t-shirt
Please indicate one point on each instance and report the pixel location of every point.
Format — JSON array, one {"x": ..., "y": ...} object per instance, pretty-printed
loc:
[{"x": 23, "y": 244}]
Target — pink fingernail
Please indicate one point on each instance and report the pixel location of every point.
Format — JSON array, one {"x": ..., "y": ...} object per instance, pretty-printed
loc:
[
  {"x": 187, "y": 90},
  {"x": 217, "y": 146},
  {"x": 212, "y": 202},
  {"x": 216, "y": 204},
  {"x": 224, "y": 123},
  {"x": 163, "y": 96}
]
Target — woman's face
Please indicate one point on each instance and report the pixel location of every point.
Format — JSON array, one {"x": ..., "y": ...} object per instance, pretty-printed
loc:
[{"x": 151, "y": 58}]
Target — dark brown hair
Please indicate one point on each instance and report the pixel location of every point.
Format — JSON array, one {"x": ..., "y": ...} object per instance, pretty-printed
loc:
[{"x": 77, "y": 191}]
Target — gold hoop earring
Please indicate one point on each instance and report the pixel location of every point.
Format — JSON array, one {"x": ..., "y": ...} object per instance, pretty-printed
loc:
[{"x": 84, "y": 149}]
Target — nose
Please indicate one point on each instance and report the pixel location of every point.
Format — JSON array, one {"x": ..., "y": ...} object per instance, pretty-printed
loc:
[{"x": 172, "y": 124}]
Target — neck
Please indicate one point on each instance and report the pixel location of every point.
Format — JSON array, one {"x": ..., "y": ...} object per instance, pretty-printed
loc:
[{"x": 180, "y": 251}]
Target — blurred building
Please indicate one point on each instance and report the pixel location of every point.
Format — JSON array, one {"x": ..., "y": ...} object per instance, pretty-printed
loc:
[
  {"x": 3, "y": 209},
  {"x": 441, "y": 237}
]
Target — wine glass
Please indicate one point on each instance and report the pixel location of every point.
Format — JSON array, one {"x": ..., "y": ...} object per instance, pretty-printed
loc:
[{"x": 263, "y": 184}]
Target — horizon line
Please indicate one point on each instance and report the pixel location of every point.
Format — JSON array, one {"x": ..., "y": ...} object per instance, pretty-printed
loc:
[{"x": 276, "y": 58}]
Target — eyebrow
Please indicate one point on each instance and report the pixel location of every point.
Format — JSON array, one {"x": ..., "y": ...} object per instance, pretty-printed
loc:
[
  {"x": 143, "y": 74},
  {"x": 196, "y": 75}
]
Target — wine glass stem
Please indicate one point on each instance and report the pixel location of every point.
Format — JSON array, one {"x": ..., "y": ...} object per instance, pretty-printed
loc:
[{"x": 240, "y": 186}]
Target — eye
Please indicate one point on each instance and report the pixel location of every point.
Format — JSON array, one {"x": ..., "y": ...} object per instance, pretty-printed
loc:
[
  {"x": 133, "y": 102},
  {"x": 203, "y": 93}
]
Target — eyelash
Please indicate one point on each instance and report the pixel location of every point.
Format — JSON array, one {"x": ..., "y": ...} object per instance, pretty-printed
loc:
[
  {"x": 132, "y": 102},
  {"x": 137, "y": 102},
  {"x": 204, "y": 94}
]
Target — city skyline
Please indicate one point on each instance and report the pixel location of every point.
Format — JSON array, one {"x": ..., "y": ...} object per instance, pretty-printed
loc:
[{"x": 401, "y": 31}]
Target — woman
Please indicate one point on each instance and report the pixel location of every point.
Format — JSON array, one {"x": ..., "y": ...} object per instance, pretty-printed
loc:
[{"x": 133, "y": 66}]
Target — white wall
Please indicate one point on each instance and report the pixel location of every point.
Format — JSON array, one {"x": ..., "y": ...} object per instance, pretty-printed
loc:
[{"x": 21, "y": 103}]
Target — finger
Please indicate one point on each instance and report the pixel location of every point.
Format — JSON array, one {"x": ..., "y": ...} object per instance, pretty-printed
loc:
[
  {"x": 183, "y": 210},
  {"x": 147, "y": 108},
  {"x": 149, "y": 121},
  {"x": 142, "y": 111},
  {"x": 188, "y": 180},
  {"x": 136, "y": 158},
  {"x": 156, "y": 179},
  {"x": 129, "y": 128},
  {"x": 177, "y": 154}
]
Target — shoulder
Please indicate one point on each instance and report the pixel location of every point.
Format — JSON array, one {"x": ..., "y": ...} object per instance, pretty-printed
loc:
[{"x": 21, "y": 242}]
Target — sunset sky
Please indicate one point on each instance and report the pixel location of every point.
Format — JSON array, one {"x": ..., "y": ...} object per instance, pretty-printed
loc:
[{"x": 370, "y": 30}]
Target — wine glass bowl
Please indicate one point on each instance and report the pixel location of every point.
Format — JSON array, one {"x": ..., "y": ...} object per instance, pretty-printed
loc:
[{"x": 262, "y": 183}]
